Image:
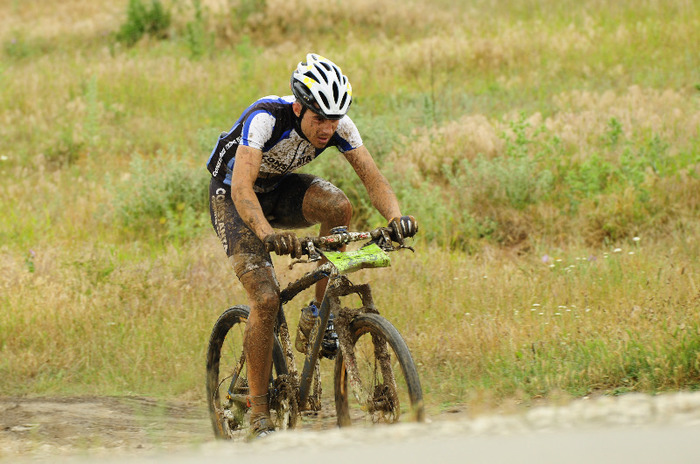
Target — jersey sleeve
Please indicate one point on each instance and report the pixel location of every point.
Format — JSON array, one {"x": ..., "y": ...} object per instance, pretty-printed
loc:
[
  {"x": 348, "y": 137},
  {"x": 257, "y": 129}
]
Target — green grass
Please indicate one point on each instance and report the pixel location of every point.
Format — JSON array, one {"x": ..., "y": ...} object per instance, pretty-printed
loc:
[{"x": 530, "y": 140}]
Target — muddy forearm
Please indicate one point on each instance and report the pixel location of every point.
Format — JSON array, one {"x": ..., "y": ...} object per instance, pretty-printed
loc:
[
  {"x": 383, "y": 197},
  {"x": 245, "y": 172},
  {"x": 380, "y": 192},
  {"x": 248, "y": 207}
]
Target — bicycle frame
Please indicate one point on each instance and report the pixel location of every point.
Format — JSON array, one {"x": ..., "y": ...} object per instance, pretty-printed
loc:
[
  {"x": 338, "y": 285},
  {"x": 316, "y": 335}
]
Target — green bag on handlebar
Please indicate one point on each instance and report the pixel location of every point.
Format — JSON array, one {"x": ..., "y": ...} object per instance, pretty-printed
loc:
[{"x": 351, "y": 261}]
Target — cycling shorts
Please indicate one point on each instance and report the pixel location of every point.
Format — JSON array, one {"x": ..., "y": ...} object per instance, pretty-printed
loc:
[{"x": 282, "y": 208}]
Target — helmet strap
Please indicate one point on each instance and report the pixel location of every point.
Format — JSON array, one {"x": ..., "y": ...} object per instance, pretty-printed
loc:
[{"x": 297, "y": 122}]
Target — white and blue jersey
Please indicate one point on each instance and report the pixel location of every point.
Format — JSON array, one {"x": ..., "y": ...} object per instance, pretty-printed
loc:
[{"x": 271, "y": 126}]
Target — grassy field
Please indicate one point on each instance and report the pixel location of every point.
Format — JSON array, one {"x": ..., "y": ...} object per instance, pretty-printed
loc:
[{"x": 550, "y": 150}]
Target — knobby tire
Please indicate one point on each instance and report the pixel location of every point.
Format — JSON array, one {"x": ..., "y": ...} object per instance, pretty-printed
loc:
[
  {"x": 229, "y": 419},
  {"x": 381, "y": 392}
]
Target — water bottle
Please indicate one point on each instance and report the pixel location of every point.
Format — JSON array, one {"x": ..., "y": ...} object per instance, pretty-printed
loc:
[{"x": 308, "y": 318}]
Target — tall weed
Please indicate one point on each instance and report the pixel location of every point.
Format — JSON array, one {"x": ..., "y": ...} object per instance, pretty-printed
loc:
[
  {"x": 199, "y": 40},
  {"x": 161, "y": 195}
]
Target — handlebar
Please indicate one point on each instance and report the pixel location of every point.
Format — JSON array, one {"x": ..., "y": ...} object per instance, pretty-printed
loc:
[
  {"x": 340, "y": 236},
  {"x": 343, "y": 237}
]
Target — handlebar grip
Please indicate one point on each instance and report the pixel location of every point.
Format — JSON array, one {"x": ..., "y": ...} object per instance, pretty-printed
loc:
[{"x": 270, "y": 247}]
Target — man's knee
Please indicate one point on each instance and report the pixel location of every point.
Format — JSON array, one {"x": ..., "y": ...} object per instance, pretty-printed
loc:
[
  {"x": 268, "y": 301},
  {"x": 344, "y": 210},
  {"x": 340, "y": 212},
  {"x": 326, "y": 203},
  {"x": 263, "y": 292}
]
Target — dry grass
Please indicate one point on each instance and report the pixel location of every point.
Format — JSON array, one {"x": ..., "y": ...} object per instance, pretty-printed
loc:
[
  {"x": 580, "y": 120},
  {"x": 578, "y": 321},
  {"x": 492, "y": 325},
  {"x": 106, "y": 320},
  {"x": 466, "y": 103}
]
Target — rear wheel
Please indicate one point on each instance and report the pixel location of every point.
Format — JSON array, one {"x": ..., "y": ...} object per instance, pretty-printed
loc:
[
  {"x": 387, "y": 388},
  {"x": 227, "y": 382}
]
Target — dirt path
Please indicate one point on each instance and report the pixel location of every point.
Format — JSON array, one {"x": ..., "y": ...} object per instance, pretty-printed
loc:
[
  {"x": 62, "y": 426},
  {"x": 137, "y": 429}
]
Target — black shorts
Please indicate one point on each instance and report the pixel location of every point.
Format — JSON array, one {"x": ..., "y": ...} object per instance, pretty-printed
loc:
[{"x": 282, "y": 208}]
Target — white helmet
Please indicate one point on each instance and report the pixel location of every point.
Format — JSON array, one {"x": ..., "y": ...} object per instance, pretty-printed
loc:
[{"x": 320, "y": 86}]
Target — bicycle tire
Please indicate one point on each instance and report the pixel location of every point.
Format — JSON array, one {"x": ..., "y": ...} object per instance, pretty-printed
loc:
[
  {"x": 229, "y": 417},
  {"x": 381, "y": 399}
]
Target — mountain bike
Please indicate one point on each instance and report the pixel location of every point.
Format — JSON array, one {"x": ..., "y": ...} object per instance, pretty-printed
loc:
[{"x": 375, "y": 377}]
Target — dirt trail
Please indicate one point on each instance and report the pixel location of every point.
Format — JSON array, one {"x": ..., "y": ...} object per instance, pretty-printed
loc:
[
  {"x": 88, "y": 429},
  {"x": 63, "y": 426}
]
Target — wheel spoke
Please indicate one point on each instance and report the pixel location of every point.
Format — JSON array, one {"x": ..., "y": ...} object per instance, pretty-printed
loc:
[
  {"x": 226, "y": 367},
  {"x": 381, "y": 374}
]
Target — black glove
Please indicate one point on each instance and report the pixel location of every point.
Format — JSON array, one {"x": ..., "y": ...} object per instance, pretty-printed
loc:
[
  {"x": 403, "y": 227},
  {"x": 285, "y": 243}
]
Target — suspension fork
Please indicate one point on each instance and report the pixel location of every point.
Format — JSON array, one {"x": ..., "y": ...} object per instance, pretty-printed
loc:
[{"x": 282, "y": 334}]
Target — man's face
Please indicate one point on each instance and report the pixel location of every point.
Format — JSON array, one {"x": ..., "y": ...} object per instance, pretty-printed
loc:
[{"x": 316, "y": 128}]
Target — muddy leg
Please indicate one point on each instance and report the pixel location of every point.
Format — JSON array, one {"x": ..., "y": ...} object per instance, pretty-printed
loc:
[
  {"x": 263, "y": 295},
  {"x": 326, "y": 204}
]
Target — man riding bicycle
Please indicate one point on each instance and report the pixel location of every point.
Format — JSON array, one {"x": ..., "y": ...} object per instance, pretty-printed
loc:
[{"x": 254, "y": 190}]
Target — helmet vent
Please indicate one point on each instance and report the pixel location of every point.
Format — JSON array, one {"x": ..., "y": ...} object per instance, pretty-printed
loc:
[
  {"x": 325, "y": 100},
  {"x": 311, "y": 76},
  {"x": 336, "y": 92},
  {"x": 337, "y": 73}
]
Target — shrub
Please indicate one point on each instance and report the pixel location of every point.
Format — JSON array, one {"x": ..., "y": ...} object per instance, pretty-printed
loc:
[
  {"x": 196, "y": 35},
  {"x": 141, "y": 20},
  {"x": 164, "y": 198}
]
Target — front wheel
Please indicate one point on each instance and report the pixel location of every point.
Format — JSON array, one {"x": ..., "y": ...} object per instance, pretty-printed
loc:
[
  {"x": 227, "y": 381},
  {"x": 378, "y": 381}
]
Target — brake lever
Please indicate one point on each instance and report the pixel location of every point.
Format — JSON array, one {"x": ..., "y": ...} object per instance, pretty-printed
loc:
[
  {"x": 402, "y": 242},
  {"x": 297, "y": 261},
  {"x": 406, "y": 247},
  {"x": 385, "y": 242},
  {"x": 312, "y": 253}
]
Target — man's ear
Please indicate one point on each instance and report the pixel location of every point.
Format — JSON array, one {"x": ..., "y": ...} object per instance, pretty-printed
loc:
[{"x": 296, "y": 107}]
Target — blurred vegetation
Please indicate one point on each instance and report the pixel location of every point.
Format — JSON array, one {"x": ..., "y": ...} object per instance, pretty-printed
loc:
[
  {"x": 144, "y": 20},
  {"x": 484, "y": 127},
  {"x": 513, "y": 131}
]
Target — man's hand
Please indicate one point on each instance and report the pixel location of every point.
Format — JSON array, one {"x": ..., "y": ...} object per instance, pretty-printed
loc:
[
  {"x": 403, "y": 227},
  {"x": 285, "y": 243}
]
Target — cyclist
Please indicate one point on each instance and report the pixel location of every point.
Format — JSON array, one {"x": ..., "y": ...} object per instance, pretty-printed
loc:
[{"x": 254, "y": 191}]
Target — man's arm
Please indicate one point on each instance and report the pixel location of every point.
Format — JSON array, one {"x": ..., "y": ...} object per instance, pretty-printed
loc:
[
  {"x": 245, "y": 173},
  {"x": 380, "y": 192}
]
